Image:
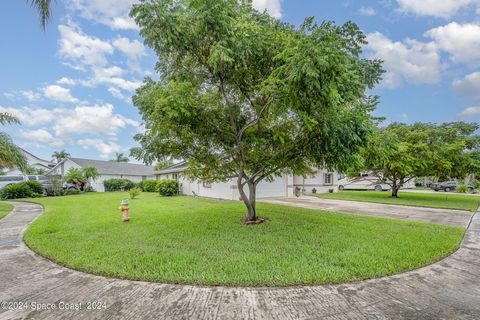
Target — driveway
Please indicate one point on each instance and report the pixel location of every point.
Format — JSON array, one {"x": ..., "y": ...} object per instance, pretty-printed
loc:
[
  {"x": 441, "y": 216},
  {"x": 449, "y": 289}
]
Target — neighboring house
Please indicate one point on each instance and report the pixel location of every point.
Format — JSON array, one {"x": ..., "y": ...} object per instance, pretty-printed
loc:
[
  {"x": 32, "y": 161},
  {"x": 283, "y": 186},
  {"x": 106, "y": 169}
]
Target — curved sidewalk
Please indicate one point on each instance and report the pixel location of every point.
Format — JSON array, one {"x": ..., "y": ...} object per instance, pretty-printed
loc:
[{"x": 449, "y": 289}]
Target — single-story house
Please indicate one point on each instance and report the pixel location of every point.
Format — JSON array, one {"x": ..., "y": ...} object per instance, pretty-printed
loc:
[
  {"x": 320, "y": 181},
  {"x": 33, "y": 162},
  {"x": 106, "y": 169}
]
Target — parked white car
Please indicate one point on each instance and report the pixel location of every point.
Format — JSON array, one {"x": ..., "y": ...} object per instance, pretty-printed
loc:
[
  {"x": 8, "y": 180},
  {"x": 364, "y": 182}
]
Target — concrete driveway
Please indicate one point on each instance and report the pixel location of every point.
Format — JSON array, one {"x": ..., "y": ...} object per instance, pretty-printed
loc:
[
  {"x": 32, "y": 287},
  {"x": 440, "y": 216}
]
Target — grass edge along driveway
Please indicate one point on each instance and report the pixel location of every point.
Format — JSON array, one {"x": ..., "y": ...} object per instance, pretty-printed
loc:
[
  {"x": 202, "y": 241},
  {"x": 5, "y": 208},
  {"x": 431, "y": 200}
]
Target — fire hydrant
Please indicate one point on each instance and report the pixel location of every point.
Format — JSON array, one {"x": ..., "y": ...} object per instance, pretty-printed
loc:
[{"x": 124, "y": 208}]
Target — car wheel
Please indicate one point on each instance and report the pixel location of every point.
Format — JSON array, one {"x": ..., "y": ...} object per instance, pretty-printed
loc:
[
  {"x": 447, "y": 189},
  {"x": 378, "y": 188},
  {"x": 341, "y": 188}
]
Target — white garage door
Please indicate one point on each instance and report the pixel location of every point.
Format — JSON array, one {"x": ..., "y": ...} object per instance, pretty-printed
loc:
[{"x": 276, "y": 188}]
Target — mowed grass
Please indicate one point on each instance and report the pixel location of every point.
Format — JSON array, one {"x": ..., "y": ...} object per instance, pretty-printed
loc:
[
  {"x": 433, "y": 200},
  {"x": 5, "y": 209},
  {"x": 202, "y": 241}
]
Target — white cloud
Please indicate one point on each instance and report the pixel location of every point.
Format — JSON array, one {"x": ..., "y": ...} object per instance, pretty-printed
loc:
[
  {"x": 105, "y": 149},
  {"x": 406, "y": 61},
  {"x": 31, "y": 96},
  {"x": 461, "y": 41},
  {"x": 58, "y": 93},
  {"x": 436, "y": 8},
  {"x": 367, "y": 11},
  {"x": 470, "y": 85},
  {"x": 470, "y": 112},
  {"x": 79, "y": 47},
  {"x": 97, "y": 119},
  {"x": 273, "y": 7},
  {"x": 113, "y": 13},
  {"x": 68, "y": 122},
  {"x": 111, "y": 76},
  {"x": 67, "y": 81},
  {"x": 30, "y": 116},
  {"x": 132, "y": 49},
  {"x": 41, "y": 136}
]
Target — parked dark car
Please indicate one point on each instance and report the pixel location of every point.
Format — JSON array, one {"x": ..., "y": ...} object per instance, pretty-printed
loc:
[{"x": 448, "y": 186}]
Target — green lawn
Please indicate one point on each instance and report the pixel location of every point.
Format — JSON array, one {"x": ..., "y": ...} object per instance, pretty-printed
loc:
[
  {"x": 5, "y": 209},
  {"x": 202, "y": 241},
  {"x": 434, "y": 200}
]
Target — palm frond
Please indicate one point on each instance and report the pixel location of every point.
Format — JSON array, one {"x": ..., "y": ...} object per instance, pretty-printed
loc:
[
  {"x": 44, "y": 10},
  {"x": 10, "y": 155},
  {"x": 7, "y": 118}
]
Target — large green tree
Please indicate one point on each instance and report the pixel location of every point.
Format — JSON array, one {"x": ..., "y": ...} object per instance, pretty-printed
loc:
[
  {"x": 242, "y": 95},
  {"x": 10, "y": 155},
  {"x": 402, "y": 152}
]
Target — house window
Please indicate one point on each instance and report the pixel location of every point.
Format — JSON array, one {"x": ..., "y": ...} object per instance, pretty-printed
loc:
[
  {"x": 144, "y": 178},
  {"x": 328, "y": 178},
  {"x": 207, "y": 184},
  {"x": 174, "y": 176}
]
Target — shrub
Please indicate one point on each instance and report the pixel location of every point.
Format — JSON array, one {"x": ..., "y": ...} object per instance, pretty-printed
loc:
[
  {"x": 69, "y": 192},
  {"x": 134, "y": 192},
  {"x": 89, "y": 189},
  {"x": 16, "y": 191},
  {"x": 148, "y": 185},
  {"x": 35, "y": 186},
  {"x": 462, "y": 188},
  {"x": 118, "y": 185},
  {"x": 55, "y": 188},
  {"x": 167, "y": 187}
]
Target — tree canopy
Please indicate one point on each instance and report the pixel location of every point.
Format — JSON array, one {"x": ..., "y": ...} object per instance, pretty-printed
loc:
[
  {"x": 242, "y": 95},
  {"x": 401, "y": 152}
]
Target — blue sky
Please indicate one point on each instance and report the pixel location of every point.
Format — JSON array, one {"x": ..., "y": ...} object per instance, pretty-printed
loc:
[{"x": 71, "y": 85}]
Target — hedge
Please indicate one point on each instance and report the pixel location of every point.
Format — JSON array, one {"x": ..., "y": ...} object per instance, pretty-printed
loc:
[
  {"x": 119, "y": 184},
  {"x": 168, "y": 187},
  {"x": 148, "y": 185},
  {"x": 27, "y": 189}
]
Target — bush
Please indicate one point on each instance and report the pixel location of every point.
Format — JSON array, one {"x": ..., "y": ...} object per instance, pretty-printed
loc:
[
  {"x": 118, "y": 184},
  {"x": 134, "y": 192},
  {"x": 167, "y": 187},
  {"x": 462, "y": 188},
  {"x": 148, "y": 185},
  {"x": 89, "y": 189},
  {"x": 69, "y": 192},
  {"x": 16, "y": 191},
  {"x": 56, "y": 188},
  {"x": 35, "y": 186}
]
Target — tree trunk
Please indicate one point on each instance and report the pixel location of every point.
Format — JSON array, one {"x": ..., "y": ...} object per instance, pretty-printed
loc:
[
  {"x": 395, "y": 188},
  {"x": 249, "y": 200}
]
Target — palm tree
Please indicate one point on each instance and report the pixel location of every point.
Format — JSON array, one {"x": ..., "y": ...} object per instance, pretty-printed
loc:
[
  {"x": 60, "y": 155},
  {"x": 10, "y": 155},
  {"x": 90, "y": 173},
  {"x": 120, "y": 157},
  {"x": 44, "y": 8}
]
